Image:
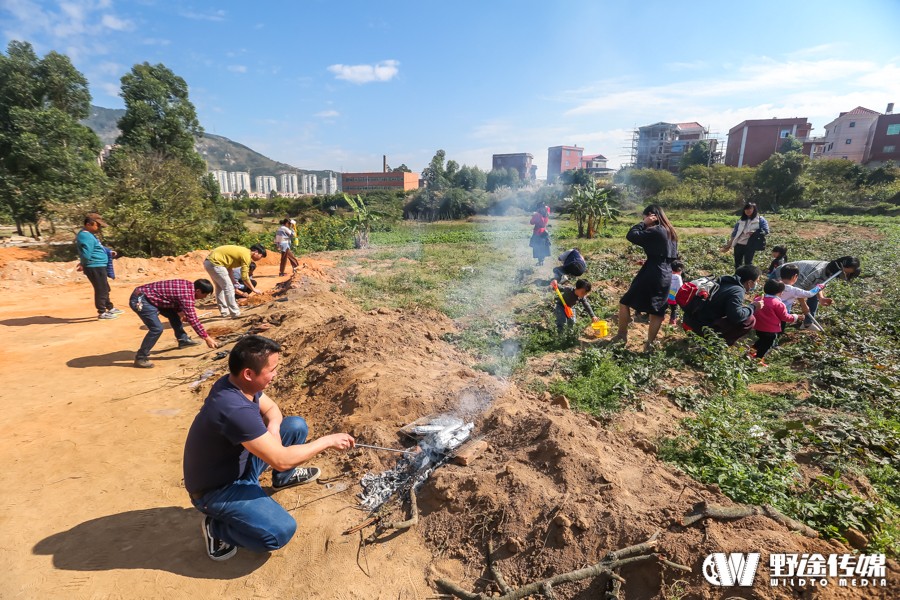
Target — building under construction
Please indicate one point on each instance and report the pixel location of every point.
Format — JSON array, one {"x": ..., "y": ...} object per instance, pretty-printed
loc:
[{"x": 662, "y": 145}]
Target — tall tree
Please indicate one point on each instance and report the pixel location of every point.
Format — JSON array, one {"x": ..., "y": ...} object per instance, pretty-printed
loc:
[
  {"x": 778, "y": 179},
  {"x": 698, "y": 154},
  {"x": 159, "y": 206},
  {"x": 159, "y": 117},
  {"x": 46, "y": 156}
]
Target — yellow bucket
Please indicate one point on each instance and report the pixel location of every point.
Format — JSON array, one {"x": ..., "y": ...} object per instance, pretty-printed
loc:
[{"x": 601, "y": 327}]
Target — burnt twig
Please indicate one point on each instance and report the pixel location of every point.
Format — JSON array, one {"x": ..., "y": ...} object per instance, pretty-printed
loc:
[
  {"x": 606, "y": 567},
  {"x": 704, "y": 510}
]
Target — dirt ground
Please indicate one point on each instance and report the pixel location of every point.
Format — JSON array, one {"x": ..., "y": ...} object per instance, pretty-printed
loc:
[{"x": 93, "y": 503}]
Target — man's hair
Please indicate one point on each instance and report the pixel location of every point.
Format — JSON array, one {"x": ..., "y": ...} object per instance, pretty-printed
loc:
[
  {"x": 258, "y": 248},
  {"x": 583, "y": 284},
  {"x": 781, "y": 250},
  {"x": 773, "y": 286},
  {"x": 252, "y": 267},
  {"x": 253, "y": 353},
  {"x": 678, "y": 266},
  {"x": 746, "y": 273},
  {"x": 203, "y": 286},
  {"x": 788, "y": 271}
]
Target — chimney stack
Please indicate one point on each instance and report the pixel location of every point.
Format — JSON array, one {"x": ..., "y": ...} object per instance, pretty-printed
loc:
[
  {"x": 384, "y": 163},
  {"x": 890, "y": 108}
]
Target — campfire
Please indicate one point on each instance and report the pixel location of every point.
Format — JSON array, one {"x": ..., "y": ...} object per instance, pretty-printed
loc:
[{"x": 439, "y": 437}]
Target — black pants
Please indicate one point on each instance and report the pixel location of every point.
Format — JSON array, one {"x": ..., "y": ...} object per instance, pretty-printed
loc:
[
  {"x": 100, "y": 282},
  {"x": 764, "y": 342},
  {"x": 743, "y": 255}
]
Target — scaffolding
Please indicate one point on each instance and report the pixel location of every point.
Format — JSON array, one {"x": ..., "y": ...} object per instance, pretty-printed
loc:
[{"x": 663, "y": 145}]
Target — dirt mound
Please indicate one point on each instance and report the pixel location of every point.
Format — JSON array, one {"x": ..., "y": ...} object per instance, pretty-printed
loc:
[{"x": 555, "y": 491}]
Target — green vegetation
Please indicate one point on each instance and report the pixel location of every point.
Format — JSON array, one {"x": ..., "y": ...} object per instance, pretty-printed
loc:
[{"x": 817, "y": 434}]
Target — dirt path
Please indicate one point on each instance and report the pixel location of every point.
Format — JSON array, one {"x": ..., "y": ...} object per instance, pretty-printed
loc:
[{"x": 92, "y": 503}]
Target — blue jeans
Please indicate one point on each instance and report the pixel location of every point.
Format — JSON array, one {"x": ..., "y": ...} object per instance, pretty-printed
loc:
[
  {"x": 813, "y": 304},
  {"x": 149, "y": 314},
  {"x": 561, "y": 319},
  {"x": 242, "y": 513}
]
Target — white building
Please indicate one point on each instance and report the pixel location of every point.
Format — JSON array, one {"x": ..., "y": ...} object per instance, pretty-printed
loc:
[
  {"x": 329, "y": 184},
  {"x": 265, "y": 185},
  {"x": 221, "y": 178},
  {"x": 289, "y": 185},
  {"x": 238, "y": 181},
  {"x": 310, "y": 184}
]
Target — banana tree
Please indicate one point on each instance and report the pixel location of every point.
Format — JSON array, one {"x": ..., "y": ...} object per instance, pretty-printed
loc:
[
  {"x": 593, "y": 208},
  {"x": 360, "y": 224}
]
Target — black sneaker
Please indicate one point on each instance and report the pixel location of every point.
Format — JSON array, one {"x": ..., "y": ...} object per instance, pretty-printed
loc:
[
  {"x": 299, "y": 476},
  {"x": 187, "y": 343},
  {"x": 216, "y": 549}
]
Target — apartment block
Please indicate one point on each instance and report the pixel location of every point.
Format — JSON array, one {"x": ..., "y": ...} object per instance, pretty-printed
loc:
[
  {"x": 356, "y": 183},
  {"x": 265, "y": 185},
  {"x": 221, "y": 178},
  {"x": 751, "y": 142},
  {"x": 308, "y": 184},
  {"x": 847, "y": 136},
  {"x": 238, "y": 181},
  {"x": 562, "y": 158},
  {"x": 884, "y": 139},
  {"x": 288, "y": 184},
  {"x": 521, "y": 162},
  {"x": 330, "y": 184}
]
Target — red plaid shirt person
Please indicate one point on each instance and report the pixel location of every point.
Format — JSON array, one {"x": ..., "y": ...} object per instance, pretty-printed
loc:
[{"x": 177, "y": 294}]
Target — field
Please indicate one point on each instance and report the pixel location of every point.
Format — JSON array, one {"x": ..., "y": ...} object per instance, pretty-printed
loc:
[{"x": 817, "y": 434}]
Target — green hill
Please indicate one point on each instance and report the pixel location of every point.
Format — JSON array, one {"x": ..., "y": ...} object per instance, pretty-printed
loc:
[{"x": 218, "y": 151}]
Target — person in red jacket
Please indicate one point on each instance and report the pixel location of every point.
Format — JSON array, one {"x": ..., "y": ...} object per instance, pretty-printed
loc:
[
  {"x": 769, "y": 319},
  {"x": 540, "y": 239}
]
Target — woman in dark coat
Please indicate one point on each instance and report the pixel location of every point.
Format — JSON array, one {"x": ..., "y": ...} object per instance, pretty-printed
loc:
[
  {"x": 540, "y": 239},
  {"x": 649, "y": 289}
]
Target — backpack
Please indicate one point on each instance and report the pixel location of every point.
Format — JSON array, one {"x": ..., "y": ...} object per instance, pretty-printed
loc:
[
  {"x": 576, "y": 263},
  {"x": 693, "y": 295}
]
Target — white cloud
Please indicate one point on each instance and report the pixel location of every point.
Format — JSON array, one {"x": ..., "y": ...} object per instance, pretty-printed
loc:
[
  {"x": 328, "y": 114},
  {"x": 116, "y": 24},
  {"x": 110, "y": 89},
  {"x": 237, "y": 68},
  {"x": 156, "y": 42},
  {"x": 359, "y": 74},
  {"x": 217, "y": 16}
]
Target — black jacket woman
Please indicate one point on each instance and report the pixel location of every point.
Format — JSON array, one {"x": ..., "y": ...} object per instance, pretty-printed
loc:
[
  {"x": 650, "y": 287},
  {"x": 748, "y": 236}
]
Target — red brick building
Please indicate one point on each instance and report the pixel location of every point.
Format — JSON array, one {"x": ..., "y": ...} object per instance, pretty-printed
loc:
[
  {"x": 884, "y": 140},
  {"x": 357, "y": 183},
  {"x": 751, "y": 142},
  {"x": 562, "y": 158}
]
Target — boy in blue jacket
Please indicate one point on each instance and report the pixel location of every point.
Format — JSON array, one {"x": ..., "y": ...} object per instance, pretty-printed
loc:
[{"x": 94, "y": 263}]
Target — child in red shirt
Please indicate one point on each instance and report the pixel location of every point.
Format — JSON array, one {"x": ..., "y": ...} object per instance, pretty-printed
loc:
[{"x": 769, "y": 319}]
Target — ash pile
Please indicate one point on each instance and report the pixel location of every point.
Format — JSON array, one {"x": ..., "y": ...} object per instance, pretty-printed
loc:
[{"x": 438, "y": 438}]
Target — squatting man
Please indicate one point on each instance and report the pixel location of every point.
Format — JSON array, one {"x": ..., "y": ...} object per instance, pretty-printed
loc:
[{"x": 238, "y": 433}]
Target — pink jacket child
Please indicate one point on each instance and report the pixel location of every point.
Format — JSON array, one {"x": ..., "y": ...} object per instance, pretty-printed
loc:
[
  {"x": 769, "y": 319},
  {"x": 772, "y": 314}
]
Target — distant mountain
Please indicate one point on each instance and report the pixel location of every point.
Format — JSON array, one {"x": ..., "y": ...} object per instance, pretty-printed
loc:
[{"x": 218, "y": 151}]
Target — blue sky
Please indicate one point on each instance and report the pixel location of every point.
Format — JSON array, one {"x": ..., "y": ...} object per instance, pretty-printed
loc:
[{"x": 334, "y": 85}]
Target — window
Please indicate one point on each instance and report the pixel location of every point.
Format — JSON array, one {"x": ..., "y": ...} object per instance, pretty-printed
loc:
[
  {"x": 567, "y": 164},
  {"x": 848, "y": 141},
  {"x": 784, "y": 133},
  {"x": 852, "y": 124},
  {"x": 890, "y": 149},
  {"x": 893, "y": 129}
]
